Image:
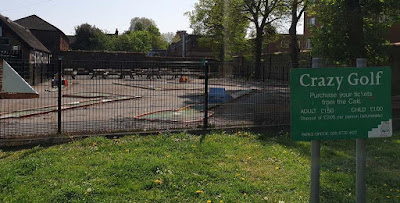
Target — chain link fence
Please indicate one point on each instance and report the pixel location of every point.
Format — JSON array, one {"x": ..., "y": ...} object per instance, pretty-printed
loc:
[{"x": 94, "y": 97}]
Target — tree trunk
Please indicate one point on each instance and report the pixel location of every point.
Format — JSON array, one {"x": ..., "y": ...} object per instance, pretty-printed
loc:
[
  {"x": 294, "y": 46},
  {"x": 222, "y": 53},
  {"x": 258, "y": 52},
  {"x": 356, "y": 33}
]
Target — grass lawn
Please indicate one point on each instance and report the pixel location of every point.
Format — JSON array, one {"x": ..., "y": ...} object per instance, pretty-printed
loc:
[{"x": 241, "y": 167}]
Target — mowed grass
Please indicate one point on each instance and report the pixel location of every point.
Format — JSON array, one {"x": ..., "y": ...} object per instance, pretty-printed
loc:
[{"x": 240, "y": 167}]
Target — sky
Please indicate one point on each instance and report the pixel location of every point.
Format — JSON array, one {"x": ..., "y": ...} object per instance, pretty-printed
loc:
[{"x": 107, "y": 15}]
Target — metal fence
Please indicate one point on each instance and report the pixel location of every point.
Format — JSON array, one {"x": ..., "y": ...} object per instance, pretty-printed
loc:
[{"x": 113, "y": 96}]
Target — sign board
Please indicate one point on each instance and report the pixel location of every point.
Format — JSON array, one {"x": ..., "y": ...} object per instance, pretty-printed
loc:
[{"x": 340, "y": 103}]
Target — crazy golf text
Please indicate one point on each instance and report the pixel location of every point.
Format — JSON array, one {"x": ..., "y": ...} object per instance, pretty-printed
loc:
[{"x": 353, "y": 79}]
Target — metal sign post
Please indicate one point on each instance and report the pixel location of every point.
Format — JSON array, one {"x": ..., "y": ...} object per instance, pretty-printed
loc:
[
  {"x": 340, "y": 103},
  {"x": 361, "y": 158},
  {"x": 315, "y": 156}
]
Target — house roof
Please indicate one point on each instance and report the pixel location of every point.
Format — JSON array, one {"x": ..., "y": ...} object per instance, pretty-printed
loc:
[
  {"x": 24, "y": 34},
  {"x": 34, "y": 22}
]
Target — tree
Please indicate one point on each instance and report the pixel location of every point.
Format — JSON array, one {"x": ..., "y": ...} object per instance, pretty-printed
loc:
[
  {"x": 140, "y": 24},
  {"x": 138, "y": 27},
  {"x": 89, "y": 37},
  {"x": 222, "y": 25},
  {"x": 262, "y": 13},
  {"x": 157, "y": 42},
  {"x": 355, "y": 30},
  {"x": 352, "y": 29},
  {"x": 168, "y": 37},
  {"x": 139, "y": 41},
  {"x": 144, "y": 37},
  {"x": 148, "y": 25},
  {"x": 297, "y": 8}
]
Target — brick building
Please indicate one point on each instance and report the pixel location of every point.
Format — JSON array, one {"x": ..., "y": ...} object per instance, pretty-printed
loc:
[
  {"x": 393, "y": 34},
  {"x": 282, "y": 44},
  {"x": 50, "y": 36},
  {"x": 188, "y": 46},
  {"x": 1, "y": 76},
  {"x": 18, "y": 44}
]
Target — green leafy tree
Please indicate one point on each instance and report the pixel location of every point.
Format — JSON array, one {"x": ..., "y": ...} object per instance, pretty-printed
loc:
[
  {"x": 139, "y": 41},
  {"x": 148, "y": 25},
  {"x": 352, "y": 29},
  {"x": 143, "y": 37},
  {"x": 262, "y": 13},
  {"x": 140, "y": 24},
  {"x": 139, "y": 27},
  {"x": 89, "y": 37},
  {"x": 157, "y": 41},
  {"x": 222, "y": 25}
]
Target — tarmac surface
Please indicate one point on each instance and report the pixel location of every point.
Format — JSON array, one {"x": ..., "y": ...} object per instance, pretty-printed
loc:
[{"x": 250, "y": 104}]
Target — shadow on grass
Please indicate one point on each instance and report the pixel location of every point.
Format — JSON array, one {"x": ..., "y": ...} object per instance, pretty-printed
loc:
[
  {"x": 338, "y": 166},
  {"x": 284, "y": 139},
  {"x": 28, "y": 150}
]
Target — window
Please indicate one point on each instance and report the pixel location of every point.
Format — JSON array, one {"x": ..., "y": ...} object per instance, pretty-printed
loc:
[
  {"x": 312, "y": 21},
  {"x": 308, "y": 44}
]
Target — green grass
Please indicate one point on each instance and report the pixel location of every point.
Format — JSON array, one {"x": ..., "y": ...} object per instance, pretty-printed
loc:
[{"x": 241, "y": 167}]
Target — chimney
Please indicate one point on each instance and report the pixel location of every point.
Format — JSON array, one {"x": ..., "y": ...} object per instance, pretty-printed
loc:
[{"x": 183, "y": 34}]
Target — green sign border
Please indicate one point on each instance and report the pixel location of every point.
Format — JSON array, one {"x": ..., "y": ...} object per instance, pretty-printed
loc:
[{"x": 348, "y": 121}]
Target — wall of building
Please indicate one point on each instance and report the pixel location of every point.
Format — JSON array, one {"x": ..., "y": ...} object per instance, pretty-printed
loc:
[
  {"x": 394, "y": 33},
  {"x": 282, "y": 44},
  {"x": 192, "y": 48},
  {"x": 1, "y": 75},
  {"x": 86, "y": 61},
  {"x": 395, "y": 65},
  {"x": 117, "y": 56},
  {"x": 16, "y": 41},
  {"x": 50, "y": 39},
  {"x": 101, "y": 56},
  {"x": 273, "y": 66},
  {"x": 64, "y": 45},
  {"x": 30, "y": 64}
]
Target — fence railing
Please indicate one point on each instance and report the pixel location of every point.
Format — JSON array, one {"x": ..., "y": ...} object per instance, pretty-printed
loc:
[{"x": 111, "y": 96}]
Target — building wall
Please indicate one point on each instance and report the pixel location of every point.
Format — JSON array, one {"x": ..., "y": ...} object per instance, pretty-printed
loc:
[
  {"x": 16, "y": 41},
  {"x": 101, "y": 56},
  {"x": 64, "y": 45},
  {"x": 31, "y": 65},
  {"x": 87, "y": 61},
  {"x": 192, "y": 48},
  {"x": 282, "y": 44},
  {"x": 307, "y": 27},
  {"x": 50, "y": 39},
  {"x": 274, "y": 66},
  {"x": 395, "y": 65},
  {"x": 1, "y": 75},
  {"x": 394, "y": 33},
  {"x": 309, "y": 23}
]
